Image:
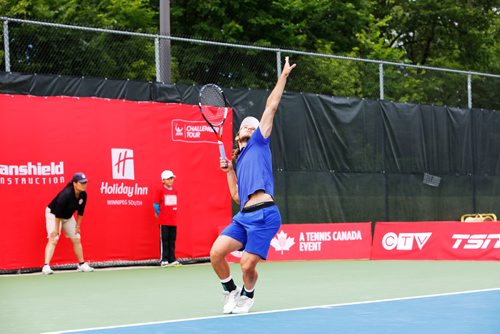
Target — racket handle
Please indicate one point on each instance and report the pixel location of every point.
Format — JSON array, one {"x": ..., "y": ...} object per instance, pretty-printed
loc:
[{"x": 221, "y": 150}]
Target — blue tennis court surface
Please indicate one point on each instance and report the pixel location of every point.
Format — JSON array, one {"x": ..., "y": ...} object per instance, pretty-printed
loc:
[{"x": 464, "y": 312}]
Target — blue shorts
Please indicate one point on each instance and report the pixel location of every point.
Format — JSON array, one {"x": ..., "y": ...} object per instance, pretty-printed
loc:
[{"x": 255, "y": 229}]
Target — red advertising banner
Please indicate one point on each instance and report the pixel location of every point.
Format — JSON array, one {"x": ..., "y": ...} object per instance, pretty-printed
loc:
[
  {"x": 319, "y": 242},
  {"x": 123, "y": 147},
  {"x": 436, "y": 241}
]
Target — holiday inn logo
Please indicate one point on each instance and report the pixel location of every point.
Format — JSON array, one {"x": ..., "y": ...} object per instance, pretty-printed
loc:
[{"x": 122, "y": 160}]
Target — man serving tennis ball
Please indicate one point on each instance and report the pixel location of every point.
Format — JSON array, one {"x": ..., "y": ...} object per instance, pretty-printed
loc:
[{"x": 252, "y": 187}]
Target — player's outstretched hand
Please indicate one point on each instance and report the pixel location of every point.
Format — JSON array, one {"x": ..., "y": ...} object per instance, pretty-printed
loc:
[{"x": 287, "y": 68}]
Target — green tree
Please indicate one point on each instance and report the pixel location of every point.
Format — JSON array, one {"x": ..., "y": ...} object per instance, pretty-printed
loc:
[
  {"x": 459, "y": 34},
  {"x": 37, "y": 49},
  {"x": 450, "y": 33}
]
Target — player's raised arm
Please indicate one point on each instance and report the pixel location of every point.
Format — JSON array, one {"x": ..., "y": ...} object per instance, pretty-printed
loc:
[{"x": 266, "y": 122}]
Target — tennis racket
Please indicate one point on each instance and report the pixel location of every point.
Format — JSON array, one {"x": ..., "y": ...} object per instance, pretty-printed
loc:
[{"x": 214, "y": 107}]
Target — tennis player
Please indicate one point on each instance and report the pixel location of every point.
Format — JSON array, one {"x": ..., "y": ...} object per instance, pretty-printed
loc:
[
  {"x": 59, "y": 215},
  {"x": 252, "y": 187}
]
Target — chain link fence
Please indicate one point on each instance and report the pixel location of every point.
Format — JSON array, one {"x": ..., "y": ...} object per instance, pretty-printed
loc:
[{"x": 48, "y": 48}]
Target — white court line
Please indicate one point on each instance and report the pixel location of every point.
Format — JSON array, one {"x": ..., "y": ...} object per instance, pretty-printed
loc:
[{"x": 281, "y": 310}]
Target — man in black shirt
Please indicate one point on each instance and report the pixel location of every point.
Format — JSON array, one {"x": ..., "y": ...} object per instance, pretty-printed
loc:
[{"x": 59, "y": 214}]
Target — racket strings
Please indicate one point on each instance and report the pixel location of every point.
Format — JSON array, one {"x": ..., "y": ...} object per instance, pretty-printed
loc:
[
  {"x": 212, "y": 96},
  {"x": 213, "y": 104},
  {"x": 214, "y": 115}
]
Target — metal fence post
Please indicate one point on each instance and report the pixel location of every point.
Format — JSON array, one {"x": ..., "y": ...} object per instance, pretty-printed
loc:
[
  {"x": 165, "y": 45},
  {"x": 157, "y": 59},
  {"x": 278, "y": 63},
  {"x": 6, "y": 45},
  {"x": 469, "y": 91},
  {"x": 381, "y": 79}
]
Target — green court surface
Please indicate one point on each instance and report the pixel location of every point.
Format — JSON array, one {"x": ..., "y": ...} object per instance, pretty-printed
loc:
[{"x": 34, "y": 303}]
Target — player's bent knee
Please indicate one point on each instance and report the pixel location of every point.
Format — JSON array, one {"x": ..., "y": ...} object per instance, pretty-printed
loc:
[
  {"x": 248, "y": 267},
  {"x": 216, "y": 254}
]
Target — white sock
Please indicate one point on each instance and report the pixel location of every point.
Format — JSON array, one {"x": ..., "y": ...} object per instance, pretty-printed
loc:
[{"x": 225, "y": 280}]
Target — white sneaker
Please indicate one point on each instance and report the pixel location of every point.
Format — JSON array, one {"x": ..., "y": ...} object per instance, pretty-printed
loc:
[
  {"x": 164, "y": 263},
  {"x": 243, "y": 305},
  {"x": 85, "y": 268},
  {"x": 230, "y": 299},
  {"x": 175, "y": 264},
  {"x": 47, "y": 270}
]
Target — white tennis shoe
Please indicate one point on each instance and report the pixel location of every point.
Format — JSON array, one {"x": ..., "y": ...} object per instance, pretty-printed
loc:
[
  {"x": 243, "y": 305},
  {"x": 85, "y": 268},
  {"x": 230, "y": 299},
  {"x": 47, "y": 270},
  {"x": 175, "y": 264}
]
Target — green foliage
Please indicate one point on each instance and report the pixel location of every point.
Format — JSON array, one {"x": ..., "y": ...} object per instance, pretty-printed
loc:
[
  {"x": 79, "y": 52},
  {"x": 113, "y": 14},
  {"x": 448, "y": 33}
]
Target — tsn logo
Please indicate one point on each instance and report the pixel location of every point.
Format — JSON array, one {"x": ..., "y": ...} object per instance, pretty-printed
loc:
[{"x": 475, "y": 241}]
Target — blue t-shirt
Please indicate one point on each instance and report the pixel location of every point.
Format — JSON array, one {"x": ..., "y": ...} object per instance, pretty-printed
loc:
[{"x": 254, "y": 168}]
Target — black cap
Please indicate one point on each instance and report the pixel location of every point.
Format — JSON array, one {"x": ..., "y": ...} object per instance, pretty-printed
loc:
[{"x": 79, "y": 177}]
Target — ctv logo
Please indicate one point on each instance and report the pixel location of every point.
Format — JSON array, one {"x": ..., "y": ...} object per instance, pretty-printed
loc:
[
  {"x": 405, "y": 241},
  {"x": 475, "y": 241},
  {"x": 122, "y": 160}
]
